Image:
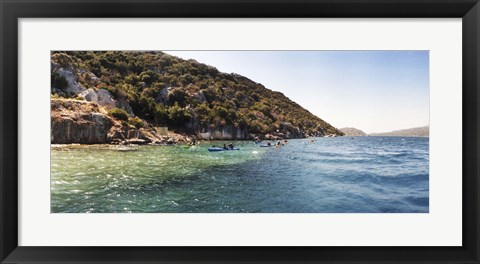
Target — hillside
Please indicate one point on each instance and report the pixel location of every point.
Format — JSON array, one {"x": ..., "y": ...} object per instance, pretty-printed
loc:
[
  {"x": 145, "y": 90},
  {"x": 353, "y": 132},
  {"x": 410, "y": 132}
]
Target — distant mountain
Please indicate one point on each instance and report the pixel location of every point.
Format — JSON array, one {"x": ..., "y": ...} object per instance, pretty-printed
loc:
[
  {"x": 410, "y": 132},
  {"x": 353, "y": 132}
]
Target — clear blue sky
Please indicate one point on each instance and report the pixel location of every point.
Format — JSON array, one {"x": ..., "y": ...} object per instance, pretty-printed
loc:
[{"x": 375, "y": 91}]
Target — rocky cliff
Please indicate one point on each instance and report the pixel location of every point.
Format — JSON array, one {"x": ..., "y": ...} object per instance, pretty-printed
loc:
[
  {"x": 122, "y": 97},
  {"x": 83, "y": 122},
  {"x": 78, "y": 122}
]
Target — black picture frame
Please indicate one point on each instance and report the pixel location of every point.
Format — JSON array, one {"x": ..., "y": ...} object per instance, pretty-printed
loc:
[{"x": 11, "y": 11}]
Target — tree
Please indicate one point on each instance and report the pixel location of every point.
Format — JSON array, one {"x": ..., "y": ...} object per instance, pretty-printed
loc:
[
  {"x": 143, "y": 106},
  {"x": 161, "y": 115},
  {"x": 177, "y": 96},
  {"x": 178, "y": 115},
  {"x": 148, "y": 77}
]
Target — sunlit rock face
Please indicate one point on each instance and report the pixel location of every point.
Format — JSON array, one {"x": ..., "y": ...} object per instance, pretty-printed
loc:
[
  {"x": 73, "y": 86},
  {"x": 84, "y": 129},
  {"x": 101, "y": 96},
  {"x": 84, "y": 122},
  {"x": 81, "y": 122}
]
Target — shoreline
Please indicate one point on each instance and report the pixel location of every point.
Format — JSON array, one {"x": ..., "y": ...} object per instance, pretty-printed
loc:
[
  {"x": 206, "y": 141},
  {"x": 168, "y": 145}
]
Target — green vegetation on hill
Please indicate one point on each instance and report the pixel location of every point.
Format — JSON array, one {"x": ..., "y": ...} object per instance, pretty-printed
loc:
[{"x": 165, "y": 90}]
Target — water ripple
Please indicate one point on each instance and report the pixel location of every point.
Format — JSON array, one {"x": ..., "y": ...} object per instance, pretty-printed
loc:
[{"x": 334, "y": 175}]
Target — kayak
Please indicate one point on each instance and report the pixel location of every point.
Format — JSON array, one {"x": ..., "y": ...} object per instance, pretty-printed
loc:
[
  {"x": 266, "y": 146},
  {"x": 221, "y": 149}
]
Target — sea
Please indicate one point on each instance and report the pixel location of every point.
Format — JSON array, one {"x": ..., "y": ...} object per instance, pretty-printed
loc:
[{"x": 319, "y": 175}]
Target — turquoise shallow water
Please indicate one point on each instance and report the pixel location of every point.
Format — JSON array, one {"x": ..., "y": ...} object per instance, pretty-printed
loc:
[{"x": 332, "y": 175}]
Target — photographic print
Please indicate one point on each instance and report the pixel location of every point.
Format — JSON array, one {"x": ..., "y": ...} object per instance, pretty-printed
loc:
[{"x": 240, "y": 131}]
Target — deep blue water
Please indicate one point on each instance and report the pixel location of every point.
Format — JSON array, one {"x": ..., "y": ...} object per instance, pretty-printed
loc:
[{"x": 331, "y": 175}]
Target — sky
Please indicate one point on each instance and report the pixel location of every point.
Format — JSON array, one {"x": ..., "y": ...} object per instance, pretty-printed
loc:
[{"x": 375, "y": 91}]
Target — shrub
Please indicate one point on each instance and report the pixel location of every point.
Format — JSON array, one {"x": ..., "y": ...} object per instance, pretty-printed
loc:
[
  {"x": 210, "y": 94},
  {"x": 135, "y": 121},
  {"x": 177, "y": 96},
  {"x": 148, "y": 77},
  {"x": 178, "y": 115},
  {"x": 203, "y": 112},
  {"x": 118, "y": 113},
  {"x": 186, "y": 79},
  {"x": 143, "y": 106},
  {"x": 161, "y": 115},
  {"x": 228, "y": 115}
]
